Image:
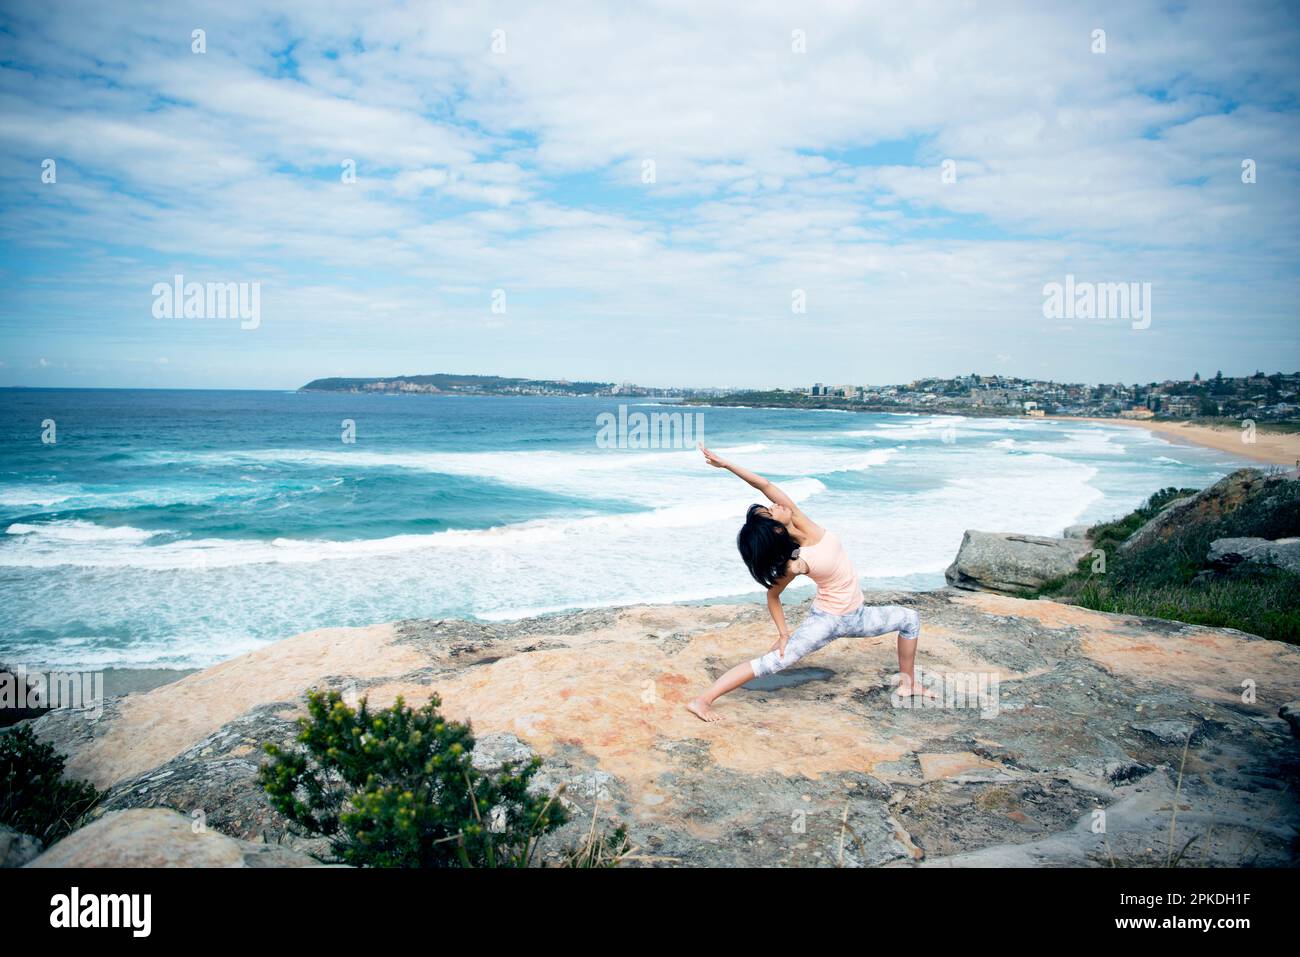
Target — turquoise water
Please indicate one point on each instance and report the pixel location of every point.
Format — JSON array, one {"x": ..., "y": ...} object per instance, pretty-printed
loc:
[{"x": 179, "y": 528}]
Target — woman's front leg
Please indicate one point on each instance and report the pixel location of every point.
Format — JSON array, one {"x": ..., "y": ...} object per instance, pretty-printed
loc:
[
  {"x": 815, "y": 631},
  {"x": 702, "y": 707}
]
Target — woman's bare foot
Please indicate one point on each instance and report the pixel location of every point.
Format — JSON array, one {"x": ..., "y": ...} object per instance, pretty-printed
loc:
[
  {"x": 907, "y": 688},
  {"x": 701, "y": 709}
]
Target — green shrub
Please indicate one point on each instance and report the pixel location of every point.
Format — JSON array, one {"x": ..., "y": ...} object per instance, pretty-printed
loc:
[
  {"x": 396, "y": 788},
  {"x": 34, "y": 797},
  {"x": 1261, "y": 603},
  {"x": 1163, "y": 579},
  {"x": 21, "y": 685}
]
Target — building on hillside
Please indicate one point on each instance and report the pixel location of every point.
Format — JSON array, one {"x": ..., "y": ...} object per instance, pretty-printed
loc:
[{"x": 991, "y": 397}]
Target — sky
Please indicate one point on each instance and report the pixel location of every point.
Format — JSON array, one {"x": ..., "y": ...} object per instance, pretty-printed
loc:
[{"x": 668, "y": 193}]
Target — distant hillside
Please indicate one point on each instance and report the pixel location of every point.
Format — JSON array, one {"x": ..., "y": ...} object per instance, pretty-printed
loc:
[{"x": 442, "y": 383}]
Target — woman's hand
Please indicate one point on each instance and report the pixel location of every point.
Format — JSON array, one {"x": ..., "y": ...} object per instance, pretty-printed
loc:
[
  {"x": 773, "y": 494},
  {"x": 712, "y": 459},
  {"x": 779, "y": 645}
]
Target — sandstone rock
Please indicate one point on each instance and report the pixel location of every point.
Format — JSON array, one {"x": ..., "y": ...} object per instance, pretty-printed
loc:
[
  {"x": 161, "y": 838},
  {"x": 1171, "y": 733},
  {"x": 1011, "y": 563},
  {"x": 1132, "y": 836},
  {"x": 1290, "y": 713},
  {"x": 1076, "y": 531},
  {"x": 1163, "y": 523},
  {"x": 1229, "y": 553},
  {"x": 16, "y": 849},
  {"x": 492, "y": 751},
  {"x": 1224, "y": 496},
  {"x": 1123, "y": 772},
  {"x": 825, "y": 773}
]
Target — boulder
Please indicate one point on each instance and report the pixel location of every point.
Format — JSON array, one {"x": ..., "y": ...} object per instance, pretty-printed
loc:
[
  {"x": 1162, "y": 524},
  {"x": 16, "y": 849},
  {"x": 1173, "y": 733},
  {"x": 1209, "y": 504},
  {"x": 1010, "y": 563},
  {"x": 1093, "y": 710},
  {"x": 1076, "y": 531},
  {"x": 160, "y": 838},
  {"x": 1227, "y": 554}
]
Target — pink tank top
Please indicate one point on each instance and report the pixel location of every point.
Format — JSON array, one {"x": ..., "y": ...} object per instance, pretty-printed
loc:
[{"x": 838, "y": 591}]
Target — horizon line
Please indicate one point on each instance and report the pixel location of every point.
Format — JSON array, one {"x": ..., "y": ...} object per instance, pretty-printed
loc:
[{"x": 733, "y": 389}]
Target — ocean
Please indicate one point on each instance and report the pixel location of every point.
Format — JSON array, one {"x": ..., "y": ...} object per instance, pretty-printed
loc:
[{"x": 180, "y": 528}]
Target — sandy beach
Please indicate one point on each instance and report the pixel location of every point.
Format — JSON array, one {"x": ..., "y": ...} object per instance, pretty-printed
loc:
[
  {"x": 120, "y": 681},
  {"x": 1276, "y": 448}
]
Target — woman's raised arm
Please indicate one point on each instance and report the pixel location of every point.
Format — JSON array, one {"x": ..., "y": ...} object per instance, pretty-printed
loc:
[{"x": 773, "y": 492}]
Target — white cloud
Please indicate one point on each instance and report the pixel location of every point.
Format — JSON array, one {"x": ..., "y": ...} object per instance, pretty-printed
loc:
[{"x": 774, "y": 171}]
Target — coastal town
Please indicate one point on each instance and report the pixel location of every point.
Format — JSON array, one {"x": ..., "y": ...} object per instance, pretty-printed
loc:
[
  {"x": 1264, "y": 397},
  {"x": 1274, "y": 398}
]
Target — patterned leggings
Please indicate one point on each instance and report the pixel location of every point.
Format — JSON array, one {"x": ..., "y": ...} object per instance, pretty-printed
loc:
[{"x": 820, "y": 628}]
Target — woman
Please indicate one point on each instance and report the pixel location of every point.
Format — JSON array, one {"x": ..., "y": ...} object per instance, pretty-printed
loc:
[{"x": 778, "y": 542}]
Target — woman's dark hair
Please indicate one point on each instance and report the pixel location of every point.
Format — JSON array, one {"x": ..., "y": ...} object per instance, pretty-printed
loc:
[{"x": 765, "y": 546}]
